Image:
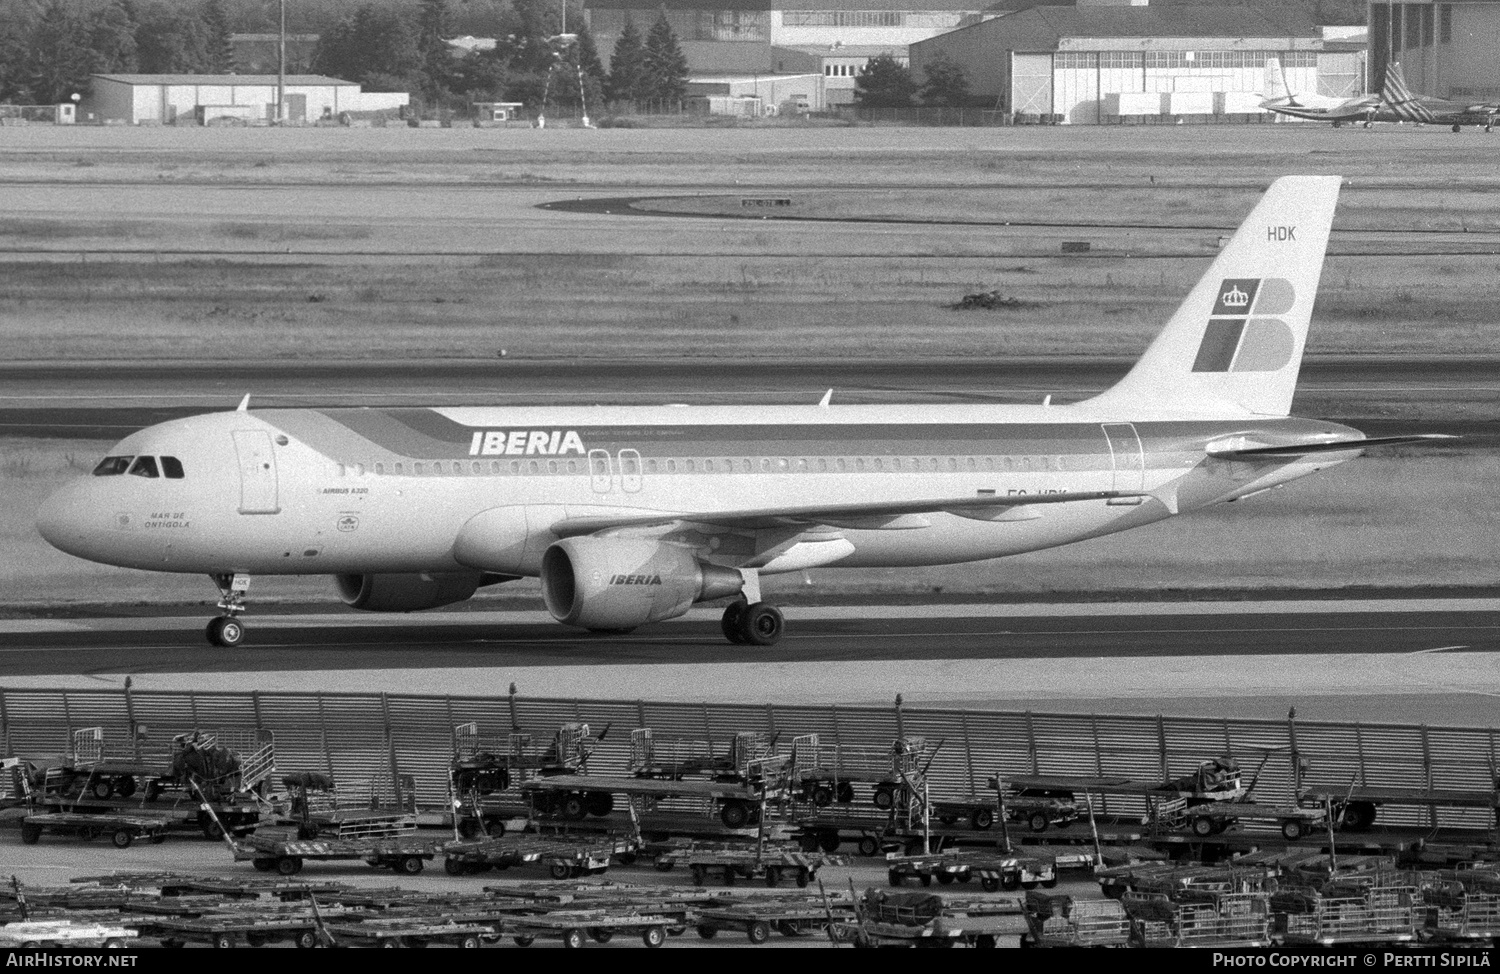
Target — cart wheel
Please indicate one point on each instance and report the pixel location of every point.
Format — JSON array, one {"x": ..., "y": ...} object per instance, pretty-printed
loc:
[
  {"x": 114, "y": 943},
  {"x": 804, "y": 876},
  {"x": 986, "y": 940},
  {"x": 947, "y": 819},
  {"x": 1010, "y": 881},
  {"x": 700, "y": 875},
  {"x": 560, "y": 870},
  {"x": 654, "y": 936},
  {"x": 599, "y": 803},
  {"x": 173, "y": 944},
  {"x": 600, "y": 935},
  {"x": 88, "y": 833},
  {"x": 122, "y": 838},
  {"x": 894, "y": 877},
  {"x": 1050, "y": 883},
  {"x": 734, "y": 814},
  {"x": 788, "y": 928},
  {"x": 470, "y": 941},
  {"x": 573, "y": 808},
  {"x": 153, "y": 790},
  {"x": 982, "y": 818},
  {"x": 468, "y": 828},
  {"x": 729, "y": 876},
  {"x": 102, "y": 788},
  {"x": 707, "y": 932},
  {"x": 572, "y": 938},
  {"x": 868, "y": 846},
  {"x": 411, "y": 865},
  {"x": 454, "y": 867},
  {"x": 223, "y": 941},
  {"x": 773, "y": 877},
  {"x": 125, "y": 786},
  {"x": 945, "y": 879},
  {"x": 31, "y": 834},
  {"x": 257, "y": 939},
  {"x": 157, "y": 838},
  {"x": 1291, "y": 830},
  {"x": 1030, "y": 884},
  {"x": 288, "y": 865},
  {"x": 759, "y": 931},
  {"x": 1203, "y": 826},
  {"x": 392, "y": 942},
  {"x": 524, "y": 939},
  {"x": 306, "y": 939},
  {"x": 807, "y": 842},
  {"x": 989, "y": 883},
  {"x": 822, "y": 796},
  {"x": 963, "y": 875},
  {"x": 212, "y": 831},
  {"x": 885, "y": 798},
  {"x": 829, "y": 842},
  {"x": 1037, "y": 822},
  {"x": 263, "y": 865}
]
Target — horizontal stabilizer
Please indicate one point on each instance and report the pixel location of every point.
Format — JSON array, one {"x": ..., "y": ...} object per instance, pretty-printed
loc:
[
  {"x": 1338, "y": 446},
  {"x": 772, "y": 517}
]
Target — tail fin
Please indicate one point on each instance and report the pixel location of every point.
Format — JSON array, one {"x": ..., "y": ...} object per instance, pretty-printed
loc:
[
  {"x": 1234, "y": 347},
  {"x": 1400, "y": 98},
  {"x": 1276, "y": 86}
]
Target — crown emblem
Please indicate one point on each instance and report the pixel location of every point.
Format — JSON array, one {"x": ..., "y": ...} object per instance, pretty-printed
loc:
[{"x": 1234, "y": 298}]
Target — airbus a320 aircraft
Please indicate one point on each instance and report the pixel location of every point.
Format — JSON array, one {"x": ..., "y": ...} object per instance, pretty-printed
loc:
[{"x": 630, "y": 515}]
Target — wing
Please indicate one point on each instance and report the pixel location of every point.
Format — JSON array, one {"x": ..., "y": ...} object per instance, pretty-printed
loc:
[
  {"x": 1309, "y": 449},
  {"x": 874, "y": 515}
]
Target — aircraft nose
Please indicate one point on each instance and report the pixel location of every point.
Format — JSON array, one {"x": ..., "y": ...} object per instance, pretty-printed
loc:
[{"x": 62, "y": 516}]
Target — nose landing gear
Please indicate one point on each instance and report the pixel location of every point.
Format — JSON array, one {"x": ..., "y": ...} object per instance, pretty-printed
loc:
[{"x": 226, "y": 630}]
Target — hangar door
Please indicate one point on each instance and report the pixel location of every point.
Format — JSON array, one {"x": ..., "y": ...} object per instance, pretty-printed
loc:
[
  {"x": 1031, "y": 84},
  {"x": 1075, "y": 87}
]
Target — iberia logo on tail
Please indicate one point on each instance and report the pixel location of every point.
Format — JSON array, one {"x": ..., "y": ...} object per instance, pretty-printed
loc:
[{"x": 1242, "y": 334}]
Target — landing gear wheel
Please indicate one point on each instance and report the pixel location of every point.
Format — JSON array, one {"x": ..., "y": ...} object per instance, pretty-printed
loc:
[
  {"x": 730, "y": 623},
  {"x": 225, "y": 631},
  {"x": 761, "y": 625}
]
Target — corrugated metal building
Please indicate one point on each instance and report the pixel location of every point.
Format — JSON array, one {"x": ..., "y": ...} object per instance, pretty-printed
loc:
[
  {"x": 1449, "y": 49},
  {"x": 205, "y": 98},
  {"x": 1102, "y": 64}
]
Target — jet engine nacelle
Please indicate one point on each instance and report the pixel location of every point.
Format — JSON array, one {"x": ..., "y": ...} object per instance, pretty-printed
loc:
[
  {"x": 407, "y": 593},
  {"x": 621, "y": 583}
]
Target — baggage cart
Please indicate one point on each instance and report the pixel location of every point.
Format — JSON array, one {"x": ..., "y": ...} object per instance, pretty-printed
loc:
[
  {"x": 412, "y": 932},
  {"x": 994, "y": 870},
  {"x": 564, "y": 857},
  {"x": 1059, "y": 920},
  {"x": 771, "y": 863},
  {"x": 577, "y": 927},
  {"x": 70, "y": 933},
  {"x": 122, "y": 830}
]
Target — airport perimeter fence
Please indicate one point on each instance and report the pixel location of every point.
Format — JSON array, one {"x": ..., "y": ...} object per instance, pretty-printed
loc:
[{"x": 358, "y": 738}]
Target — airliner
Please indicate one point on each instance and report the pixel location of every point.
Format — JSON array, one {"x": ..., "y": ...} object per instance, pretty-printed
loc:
[
  {"x": 1395, "y": 103},
  {"x": 632, "y": 514}
]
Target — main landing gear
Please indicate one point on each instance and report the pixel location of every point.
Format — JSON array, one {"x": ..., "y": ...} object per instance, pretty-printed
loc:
[
  {"x": 752, "y": 623},
  {"x": 226, "y": 630}
]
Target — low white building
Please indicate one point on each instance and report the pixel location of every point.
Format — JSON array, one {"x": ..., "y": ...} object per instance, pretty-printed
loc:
[{"x": 207, "y": 98}]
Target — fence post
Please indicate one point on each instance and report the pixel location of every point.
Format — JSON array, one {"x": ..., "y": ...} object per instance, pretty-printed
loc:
[
  {"x": 255, "y": 707},
  {"x": 1161, "y": 744},
  {"x": 1036, "y": 767},
  {"x": 390, "y": 747},
  {"x": 963, "y": 722},
  {"x": 5, "y": 721}
]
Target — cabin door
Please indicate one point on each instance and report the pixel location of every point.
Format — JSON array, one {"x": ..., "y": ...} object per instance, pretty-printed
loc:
[{"x": 1128, "y": 459}]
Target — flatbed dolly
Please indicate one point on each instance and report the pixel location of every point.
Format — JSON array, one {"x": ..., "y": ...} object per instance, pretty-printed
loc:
[
  {"x": 227, "y": 930},
  {"x": 565, "y": 857},
  {"x": 121, "y": 829},
  {"x": 757, "y": 920},
  {"x": 1293, "y": 821},
  {"x": 994, "y": 870},
  {"x": 577, "y": 927},
  {"x": 769, "y": 863},
  {"x": 64, "y": 933},
  {"x": 268, "y": 853},
  {"x": 412, "y": 932},
  {"x": 575, "y": 796}
]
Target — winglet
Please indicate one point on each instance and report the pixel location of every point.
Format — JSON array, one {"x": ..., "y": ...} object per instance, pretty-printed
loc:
[
  {"x": 244, "y": 406},
  {"x": 827, "y": 398}
]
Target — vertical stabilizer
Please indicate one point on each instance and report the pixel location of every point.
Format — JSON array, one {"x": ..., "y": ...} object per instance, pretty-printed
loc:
[
  {"x": 1234, "y": 347},
  {"x": 1276, "y": 86}
]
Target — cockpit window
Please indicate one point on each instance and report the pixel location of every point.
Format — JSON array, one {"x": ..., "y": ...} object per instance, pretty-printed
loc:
[
  {"x": 112, "y": 466},
  {"x": 171, "y": 467},
  {"x": 144, "y": 467}
]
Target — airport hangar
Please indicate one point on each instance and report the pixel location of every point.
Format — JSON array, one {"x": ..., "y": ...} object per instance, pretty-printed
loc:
[
  {"x": 1449, "y": 49},
  {"x": 208, "y": 98},
  {"x": 1109, "y": 63},
  {"x": 739, "y": 47}
]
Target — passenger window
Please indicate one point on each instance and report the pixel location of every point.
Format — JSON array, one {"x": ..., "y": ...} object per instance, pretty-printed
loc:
[
  {"x": 171, "y": 468},
  {"x": 144, "y": 467},
  {"x": 380, "y": 468},
  {"x": 416, "y": 468},
  {"x": 476, "y": 467},
  {"x": 112, "y": 466}
]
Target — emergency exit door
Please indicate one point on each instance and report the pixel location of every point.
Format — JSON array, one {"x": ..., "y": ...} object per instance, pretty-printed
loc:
[
  {"x": 258, "y": 491},
  {"x": 1128, "y": 460}
]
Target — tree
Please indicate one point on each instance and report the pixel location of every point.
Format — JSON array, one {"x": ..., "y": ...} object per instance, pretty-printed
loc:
[
  {"x": 437, "y": 58},
  {"x": 373, "y": 46},
  {"x": 946, "y": 83},
  {"x": 884, "y": 83},
  {"x": 59, "y": 61},
  {"x": 627, "y": 65},
  {"x": 218, "y": 49},
  {"x": 15, "y": 37},
  {"x": 170, "y": 41},
  {"x": 483, "y": 75},
  {"x": 111, "y": 38},
  {"x": 665, "y": 67}
]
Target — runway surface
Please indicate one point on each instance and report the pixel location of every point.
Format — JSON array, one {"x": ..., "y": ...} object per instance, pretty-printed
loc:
[
  {"x": 1379, "y": 660},
  {"x": 107, "y": 400}
]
